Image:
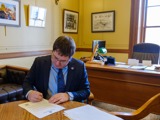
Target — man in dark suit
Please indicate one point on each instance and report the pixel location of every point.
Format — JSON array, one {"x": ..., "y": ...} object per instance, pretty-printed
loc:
[{"x": 42, "y": 81}]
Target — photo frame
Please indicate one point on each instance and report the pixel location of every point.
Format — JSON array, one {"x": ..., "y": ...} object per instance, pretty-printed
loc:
[
  {"x": 37, "y": 16},
  {"x": 103, "y": 21},
  {"x": 70, "y": 21},
  {"x": 9, "y": 12}
]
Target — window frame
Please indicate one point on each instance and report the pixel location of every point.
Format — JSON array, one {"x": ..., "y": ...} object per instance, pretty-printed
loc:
[{"x": 138, "y": 23}]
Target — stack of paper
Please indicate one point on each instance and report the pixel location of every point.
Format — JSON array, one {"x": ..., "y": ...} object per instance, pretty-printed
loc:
[
  {"x": 88, "y": 112},
  {"x": 42, "y": 108}
]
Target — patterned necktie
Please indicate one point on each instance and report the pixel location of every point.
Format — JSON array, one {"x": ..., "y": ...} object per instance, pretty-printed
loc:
[{"x": 61, "y": 85}]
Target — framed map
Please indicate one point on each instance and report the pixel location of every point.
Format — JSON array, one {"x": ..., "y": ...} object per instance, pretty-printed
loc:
[{"x": 103, "y": 21}]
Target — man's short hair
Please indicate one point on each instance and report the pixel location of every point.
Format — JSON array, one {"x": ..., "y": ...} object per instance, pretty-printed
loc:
[{"x": 65, "y": 46}]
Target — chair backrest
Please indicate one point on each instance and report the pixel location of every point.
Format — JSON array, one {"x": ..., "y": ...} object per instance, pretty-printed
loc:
[
  {"x": 146, "y": 51},
  {"x": 148, "y": 107}
]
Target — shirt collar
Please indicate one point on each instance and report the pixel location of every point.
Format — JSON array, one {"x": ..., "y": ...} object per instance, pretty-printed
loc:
[{"x": 56, "y": 69}]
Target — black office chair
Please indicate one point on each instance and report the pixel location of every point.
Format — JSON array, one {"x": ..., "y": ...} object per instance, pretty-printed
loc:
[{"x": 146, "y": 51}]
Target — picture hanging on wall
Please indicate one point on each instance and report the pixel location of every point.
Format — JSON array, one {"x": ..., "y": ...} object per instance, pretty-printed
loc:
[
  {"x": 9, "y": 13},
  {"x": 103, "y": 21},
  {"x": 37, "y": 16},
  {"x": 70, "y": 21}
]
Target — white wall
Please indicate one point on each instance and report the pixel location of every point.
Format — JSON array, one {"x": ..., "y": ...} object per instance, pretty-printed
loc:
[
  {"x": 25, "y": 38},
  {"x": 22, "y": 62}
]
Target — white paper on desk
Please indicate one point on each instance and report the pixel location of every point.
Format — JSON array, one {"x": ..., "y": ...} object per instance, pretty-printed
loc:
[
  {"x": 89, "y": 112},
  {"x": 123, "y": 66},
  {"x": 138, "y": 67},
  {"x": 42, "y": 108},
  {"x": 152, "y": 68}
]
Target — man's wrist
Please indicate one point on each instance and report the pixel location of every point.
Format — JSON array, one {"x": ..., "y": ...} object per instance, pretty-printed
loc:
[
  {"x": 28, "y": 93},
  {"x": 71, "y": 97}
]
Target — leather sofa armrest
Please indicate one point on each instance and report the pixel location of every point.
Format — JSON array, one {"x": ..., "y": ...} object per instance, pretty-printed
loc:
[{"x": 1, "y": 80}]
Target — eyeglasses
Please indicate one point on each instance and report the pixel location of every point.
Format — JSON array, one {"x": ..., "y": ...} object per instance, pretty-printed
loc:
[{"x": 56, "y": 59}]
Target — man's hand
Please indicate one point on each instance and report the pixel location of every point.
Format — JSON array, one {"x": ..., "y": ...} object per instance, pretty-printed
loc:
[
  {"x": 35, "y": 96},
  {"x": 59, "y": 98}
]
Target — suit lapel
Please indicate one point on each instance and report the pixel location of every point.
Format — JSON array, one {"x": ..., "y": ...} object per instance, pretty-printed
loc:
[
  {"x": 47, "y": 66},
  {"x": 70, "y": 76}
]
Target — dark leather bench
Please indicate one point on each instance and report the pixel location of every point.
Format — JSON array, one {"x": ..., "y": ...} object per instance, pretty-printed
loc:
[{"x": 11, "y": 79}]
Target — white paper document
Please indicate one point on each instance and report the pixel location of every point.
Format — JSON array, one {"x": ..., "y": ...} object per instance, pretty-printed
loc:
[
  {"x": 138, "y": 67},
  {"x": 42, "y": 108},
  {"x": 89, "y": 112},
  {"x": 152, "y": 68},
  {"x": 123, "y": 66}
]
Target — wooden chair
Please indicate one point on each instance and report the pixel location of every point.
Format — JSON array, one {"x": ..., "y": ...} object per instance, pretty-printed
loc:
[
  {"x": 90, "y": 99},
  {"x": 148, "y": 107}
]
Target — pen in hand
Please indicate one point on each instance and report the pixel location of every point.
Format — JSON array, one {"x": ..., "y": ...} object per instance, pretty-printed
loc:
[{"x": 35, "y": 96}]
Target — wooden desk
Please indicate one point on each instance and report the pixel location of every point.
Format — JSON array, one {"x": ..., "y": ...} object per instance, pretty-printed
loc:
[
  {"x": 11, "y": 111},
  {"x": 125, "y": 87}
]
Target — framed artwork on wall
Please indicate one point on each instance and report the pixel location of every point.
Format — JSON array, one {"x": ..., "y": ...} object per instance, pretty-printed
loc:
[
  {"x": 103, "y": 21},
  {"x": 37, "y": 16},
  {"x": 70, "y": 21},
  {"x": 9, "y": 13}
]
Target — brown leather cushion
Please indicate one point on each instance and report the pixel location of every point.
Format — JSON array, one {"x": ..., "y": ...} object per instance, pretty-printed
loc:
[
  {"x": 3, "y": 96},
  {"x": 11, "y": 92},
  {"x": 14, "y": 91},
  {"x": 15, "y": 76},
  {"x": 11, "y": 80}
]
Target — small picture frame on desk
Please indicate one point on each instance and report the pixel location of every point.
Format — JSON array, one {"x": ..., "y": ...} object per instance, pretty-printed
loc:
[{"x": 10, "y": 13}]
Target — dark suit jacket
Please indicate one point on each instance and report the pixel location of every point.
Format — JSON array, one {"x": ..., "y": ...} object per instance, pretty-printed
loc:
[{"x": 77, "y": 78}]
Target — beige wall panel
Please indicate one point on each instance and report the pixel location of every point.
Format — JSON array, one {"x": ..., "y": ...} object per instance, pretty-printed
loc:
[
  {"x": 25, "y": 38},
  {"x": 115, "y": 40},
  {"x": 69, "y": 5}
]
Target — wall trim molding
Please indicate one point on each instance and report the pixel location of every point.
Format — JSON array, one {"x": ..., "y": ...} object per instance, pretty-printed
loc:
[
  {"x": 109, "y": 50},
  {"x": 47, "y": 52},
  {"x": 24, "y": 54}
]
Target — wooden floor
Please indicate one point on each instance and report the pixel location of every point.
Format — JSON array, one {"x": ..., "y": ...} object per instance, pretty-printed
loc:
[{"x": 111, "y": 108}]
